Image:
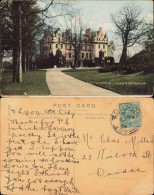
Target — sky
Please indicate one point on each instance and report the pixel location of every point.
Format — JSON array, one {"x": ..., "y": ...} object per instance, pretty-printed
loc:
[{"x": 98, "y": 14}]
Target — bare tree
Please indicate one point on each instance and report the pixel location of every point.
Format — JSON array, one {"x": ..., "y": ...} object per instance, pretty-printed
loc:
[
  {"x": 77, "y": 26},
  {"x": 130, "y": 27}
]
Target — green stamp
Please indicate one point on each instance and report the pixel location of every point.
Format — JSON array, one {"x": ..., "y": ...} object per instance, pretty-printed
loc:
[{"x": 130, "y": 115}]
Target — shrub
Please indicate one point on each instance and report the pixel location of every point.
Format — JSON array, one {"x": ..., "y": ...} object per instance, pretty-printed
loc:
[
  {"x": 110, "y": 68},
  {"x": 143, "y": 61}
]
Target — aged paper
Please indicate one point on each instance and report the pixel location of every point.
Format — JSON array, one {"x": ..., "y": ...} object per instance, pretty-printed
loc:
[{"x": 87, "y": 146}]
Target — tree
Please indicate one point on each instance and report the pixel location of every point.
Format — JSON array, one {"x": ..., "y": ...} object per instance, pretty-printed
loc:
[
  {"x": 26, "y": 26},
  {"x": 149, "y": 48},
  {"x": 5, "y": 30},
  {"x": 143, "y": 61},
  {"x": 32, "y": 25},
  {"x": 21, "y": 24},
  {"x": 130, "y": 27},
  {"x": 77, "y": 26},
  {"x": 17, "y": 42},
  {"x": 149, "y": 42}
]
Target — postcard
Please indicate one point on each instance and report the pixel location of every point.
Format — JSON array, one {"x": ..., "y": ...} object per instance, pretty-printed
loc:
[
  {"x": 74, "y": 145},
  {"x": 77, "y": 48}
]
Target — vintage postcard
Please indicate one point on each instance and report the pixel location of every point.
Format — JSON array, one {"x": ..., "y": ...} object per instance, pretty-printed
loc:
[
  {"x": 77, "y": 48},
  {"x": 87, "y": 146}
]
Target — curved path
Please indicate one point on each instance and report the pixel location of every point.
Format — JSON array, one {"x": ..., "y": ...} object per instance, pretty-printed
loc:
[{"x": 61, "y": 84}]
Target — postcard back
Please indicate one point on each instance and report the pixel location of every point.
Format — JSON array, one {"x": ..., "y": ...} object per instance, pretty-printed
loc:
[{"x": 87, "y": 146}]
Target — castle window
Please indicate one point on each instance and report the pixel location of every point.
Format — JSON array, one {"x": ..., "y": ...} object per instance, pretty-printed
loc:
[
  {"x": 70, "y": 47},
  {"x": 99, "y": 39},
  {"x": 82, "y": 55},
  {"x": 56, "y": 45},
  {"x": 59, "y": 39},
  {"x": 61, "y": 46},
  {"x": 103, "y": 46},
  {"x": 90, "y": 56},
  {"x": 69, "y": 55},
  {"x": 99, "y": 46}
]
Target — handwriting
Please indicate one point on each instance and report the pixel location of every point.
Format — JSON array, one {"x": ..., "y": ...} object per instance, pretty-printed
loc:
[
  {"x": 103, "y": 154},
  {"x": 48, "y": 147},
  {"x": 104, "y": 173},
  {"x": 136, "y": 141},
  {"x": 43, "y": 148}
]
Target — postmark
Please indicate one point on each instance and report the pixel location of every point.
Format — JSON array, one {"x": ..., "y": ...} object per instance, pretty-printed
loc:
[{"x": 126, "y": 119}]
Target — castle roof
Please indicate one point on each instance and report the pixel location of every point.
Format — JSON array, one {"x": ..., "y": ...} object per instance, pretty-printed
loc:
[{"x": 94, "y": 33}]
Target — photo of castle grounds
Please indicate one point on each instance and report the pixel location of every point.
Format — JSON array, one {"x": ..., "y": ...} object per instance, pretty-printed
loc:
[{"x": 85, "y": 48}]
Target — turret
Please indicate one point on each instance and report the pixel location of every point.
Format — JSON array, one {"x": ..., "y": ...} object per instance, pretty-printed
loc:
[{"x": 100, "y": 29}]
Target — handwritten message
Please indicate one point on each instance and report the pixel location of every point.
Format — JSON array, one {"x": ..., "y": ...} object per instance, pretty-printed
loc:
[{"x": 47, "y": 139}]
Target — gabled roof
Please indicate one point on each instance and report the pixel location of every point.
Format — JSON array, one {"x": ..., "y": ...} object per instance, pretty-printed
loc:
[
  {"x": 57, "y": 30},
  {"x": 52, "y": 31},
  {"x": 94, "y": 33}
]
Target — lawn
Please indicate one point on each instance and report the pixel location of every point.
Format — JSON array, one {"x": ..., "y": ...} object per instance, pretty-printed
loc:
[
  {"x": 34, "y": 83},
  {"x": 124, "y": 84}
]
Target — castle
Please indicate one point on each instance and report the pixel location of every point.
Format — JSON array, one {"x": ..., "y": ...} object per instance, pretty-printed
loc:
[{"x": 94, "y": 46}]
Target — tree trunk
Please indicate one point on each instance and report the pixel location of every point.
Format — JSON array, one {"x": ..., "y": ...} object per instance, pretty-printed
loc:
[
  {"x": 75, "y": 59},
  {"x": 30, "y": 59},
  {"x": 27, "y": 60},
  {"x": 30, "y": 63},
  {"x": 124, "y": 55},
  {"x": 20, "y": 44},
  {"x": 124, "y": 51},
  {"x": 24, "y": 68},
  {"x": 17, "y": 46},
  {"x": 15, "y": 64}
]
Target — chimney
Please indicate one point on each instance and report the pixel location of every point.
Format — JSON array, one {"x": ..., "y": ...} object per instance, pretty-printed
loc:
[
  {"x": 88, "y": 32},
  {"x": 47, "y": 33},
  {"x": 68, "y": 32}
]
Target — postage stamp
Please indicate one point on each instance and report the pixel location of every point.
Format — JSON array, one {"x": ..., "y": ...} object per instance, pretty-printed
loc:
[
  {"x": 130, "y": 115},
  {"x": 127, "y": 119}
]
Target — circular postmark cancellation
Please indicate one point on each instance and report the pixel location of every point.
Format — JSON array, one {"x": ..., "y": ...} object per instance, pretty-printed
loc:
[{"x": 126, "y": 119}]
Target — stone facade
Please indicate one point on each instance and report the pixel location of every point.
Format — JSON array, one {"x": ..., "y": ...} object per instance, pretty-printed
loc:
[{"x": 94, "y": 45}]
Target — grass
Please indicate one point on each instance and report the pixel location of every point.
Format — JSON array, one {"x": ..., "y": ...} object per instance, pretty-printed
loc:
[
  {"x": 124, "y": 84},
  {"x": 34, "y": 83}
]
